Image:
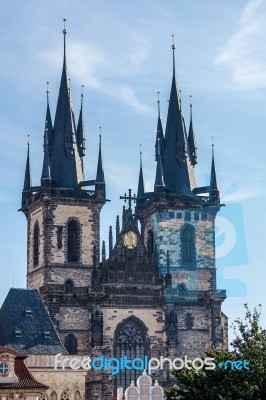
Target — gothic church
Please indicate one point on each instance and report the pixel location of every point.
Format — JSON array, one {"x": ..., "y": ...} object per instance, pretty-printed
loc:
[{"x": 156, "y": 292}]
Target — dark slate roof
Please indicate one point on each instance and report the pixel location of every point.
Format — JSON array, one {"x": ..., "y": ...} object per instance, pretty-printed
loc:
[
  {"x": 14, "y": 316},
  {"x": 26, "y": 380}
]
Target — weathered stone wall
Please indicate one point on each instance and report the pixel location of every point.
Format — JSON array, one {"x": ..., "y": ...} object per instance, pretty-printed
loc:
[{"x": 166, "y": 228}]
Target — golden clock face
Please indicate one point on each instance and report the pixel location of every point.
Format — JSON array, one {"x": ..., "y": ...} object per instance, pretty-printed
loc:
[{"x": 130, "y": 240}]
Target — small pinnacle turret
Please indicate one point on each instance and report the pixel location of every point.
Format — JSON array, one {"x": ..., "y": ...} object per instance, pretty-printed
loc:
[
  {"x": 46, "y": 177},
  {"x": 80, "y": 130},
  {"x": 110, "y": 239},
  {"x": 159, "y": 179},
  {"x": 214, "y": 192},
  {"x": 191, "y": 139},
  {"x": 27, "y": 179},
  {"x": 159, "y": 145},
  {"x": 49, "y": 125},
  {"x": 100, "y": 171},
  {"x": 103, "y": 251},
  {"x": 141, "y": 188}
]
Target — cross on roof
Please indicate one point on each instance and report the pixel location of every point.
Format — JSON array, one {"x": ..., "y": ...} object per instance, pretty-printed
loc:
[{"x": 130, "y": 198}]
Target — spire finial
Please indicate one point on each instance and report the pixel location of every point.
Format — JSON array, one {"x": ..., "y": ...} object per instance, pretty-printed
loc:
[
  {"x": 173, "y": 48},
  {"x": 158, "y": 102},
  {"x": 28, "y": 143},
  {"x": 47, "y": 91},
  {"x": 140, "y": 155},
  {"x": 212, "y": 146},
  {"x": 190, "y": 98},
  {"x": 64, "y": 33}
]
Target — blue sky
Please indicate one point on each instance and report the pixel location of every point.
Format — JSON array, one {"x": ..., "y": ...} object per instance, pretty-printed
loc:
[{"x": 121, "y": 52}]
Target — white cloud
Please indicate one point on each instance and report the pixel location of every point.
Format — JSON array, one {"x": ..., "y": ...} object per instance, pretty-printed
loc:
[
  {"x": 244, "y": 53},
  {"x": 89, "y": 66}
]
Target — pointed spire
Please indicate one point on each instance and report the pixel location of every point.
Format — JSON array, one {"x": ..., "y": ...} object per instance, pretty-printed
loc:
[
  {"x": 214, "y": 192},
  {"x": 159, "y": 180},
  {"x": 191, "y": 139},
  {"x": 159, "y": 135},
  {"x": 80, "y": 129},
  {"x": 46, "y": 159},
  {"x": 141, "y": 189},
  {"x": 27, "y": 178},
  {"x": 117, "y": 226},
  {"x": 100, "y": 171},
  {"x": 103, "y": 251},
  {"x": 48, "y": 124},
  {"x": 66, "y": 166},
  {"x": 178, "y": 173}
]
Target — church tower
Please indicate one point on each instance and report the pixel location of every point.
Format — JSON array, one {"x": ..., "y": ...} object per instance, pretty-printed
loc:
[
  {"x": 63, "y": 217},
  {"x": 178, "y": 222}
]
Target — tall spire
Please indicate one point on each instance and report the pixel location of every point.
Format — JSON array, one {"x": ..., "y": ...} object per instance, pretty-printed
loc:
[
  {"x": 45, "y": 179},
  {"x": 66, "y": 166},
  {"x": 178, "y": 173},
  {"x": 100, "y": 171},
  {"x": 191, "y": 139},
  {"x": 214, "y": 192},
  {"x": 80, "y": 129},
  {"x": 27, "y": 178},
  {"x": 159, "y": 135}
]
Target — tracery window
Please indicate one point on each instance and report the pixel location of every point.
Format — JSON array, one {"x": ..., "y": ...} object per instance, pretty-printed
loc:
[
  {"x": 65, "y": 396},
  {"x": 130, "y": 341},
  {"x": 36, "y": 238},
  {"x": 73, "y": 241}
]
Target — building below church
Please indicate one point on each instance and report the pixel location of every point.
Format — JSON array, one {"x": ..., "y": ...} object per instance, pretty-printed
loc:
[{"x": 155, "y": 294}]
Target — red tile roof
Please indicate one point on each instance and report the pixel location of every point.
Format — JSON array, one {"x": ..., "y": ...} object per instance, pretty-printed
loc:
[{"x": 26, "y": 379}]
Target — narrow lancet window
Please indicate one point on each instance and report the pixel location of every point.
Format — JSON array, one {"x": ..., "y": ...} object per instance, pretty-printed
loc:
[
  {"x": 73, "y": 241},
  {"x": 36, "y": 238}
]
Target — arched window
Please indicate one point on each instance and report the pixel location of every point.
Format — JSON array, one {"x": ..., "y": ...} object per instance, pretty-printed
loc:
[
  {"x": 188, "y": 244},
  {"x": 53, "y": 396},
  {"x": 71, "y": 344},
  {"x": 42, "y": 396},
  {"x": 36, "y": 238},
  {"x": 73, "y": 241},
  {"x": 130, "y": 340}
]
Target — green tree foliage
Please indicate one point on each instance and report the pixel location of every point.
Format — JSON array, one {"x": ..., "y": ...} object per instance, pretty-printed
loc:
[{"x": 227, "y": 383}]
